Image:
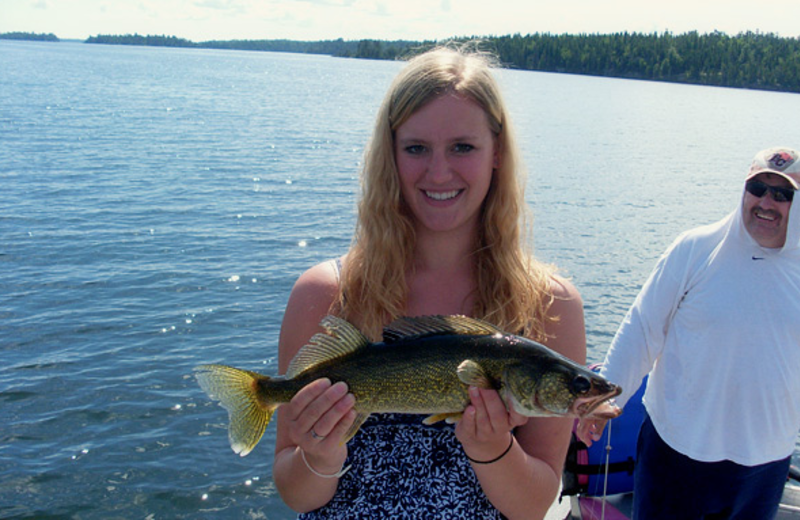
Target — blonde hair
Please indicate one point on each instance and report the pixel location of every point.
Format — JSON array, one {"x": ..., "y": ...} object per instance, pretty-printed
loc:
[{"x": 513, "y": 289}]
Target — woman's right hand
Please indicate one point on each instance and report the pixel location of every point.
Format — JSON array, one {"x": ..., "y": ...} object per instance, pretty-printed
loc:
[{"x": 318, "y": 418}]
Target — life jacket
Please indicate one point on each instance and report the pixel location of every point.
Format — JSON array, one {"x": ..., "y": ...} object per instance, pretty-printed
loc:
[{"x": 585, "y": 468}]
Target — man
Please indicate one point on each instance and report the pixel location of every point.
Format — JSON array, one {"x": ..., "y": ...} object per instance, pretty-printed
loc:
[{"x": 717, "y": 327}]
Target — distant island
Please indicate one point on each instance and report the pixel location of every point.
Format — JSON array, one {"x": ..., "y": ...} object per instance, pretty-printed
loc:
[
  {"x": 29, "y": 37},
  {"x": 752, "y": 60},
  {"x": 369, "y": 49}
]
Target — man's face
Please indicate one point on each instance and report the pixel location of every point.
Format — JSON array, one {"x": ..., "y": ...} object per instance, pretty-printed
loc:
[{"x": 766, "y": 218}]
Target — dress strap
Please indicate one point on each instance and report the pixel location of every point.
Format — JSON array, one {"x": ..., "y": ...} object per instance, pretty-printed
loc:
[
  {"x": 337, "y": 265},
  {"x": 337, "y": 268}
]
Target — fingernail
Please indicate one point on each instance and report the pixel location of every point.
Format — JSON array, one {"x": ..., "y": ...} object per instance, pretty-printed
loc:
[{"x": 340, "y": 388}]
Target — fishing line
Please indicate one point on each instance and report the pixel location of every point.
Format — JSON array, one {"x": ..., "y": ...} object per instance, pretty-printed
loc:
[{"x": 605, "y": 477}]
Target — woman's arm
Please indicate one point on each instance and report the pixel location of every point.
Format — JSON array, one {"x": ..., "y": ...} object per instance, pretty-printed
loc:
[
  {"x": 320, "y": 407},
  {"x": 524, "y": 482}
]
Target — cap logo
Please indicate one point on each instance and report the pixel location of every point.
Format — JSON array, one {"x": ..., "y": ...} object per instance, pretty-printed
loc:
[{"x": 781, "y": 160}]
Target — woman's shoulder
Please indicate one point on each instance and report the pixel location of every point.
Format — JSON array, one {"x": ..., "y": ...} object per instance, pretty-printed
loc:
[
  {"x": 567, "y": 330},
  {"x": 317, "y": 287},
  {"x": 563, "y": 289},
  {"x": 321, "y": 280},
  {"x": 566, "y": 308},
  {"x": 311, "y": 299}
]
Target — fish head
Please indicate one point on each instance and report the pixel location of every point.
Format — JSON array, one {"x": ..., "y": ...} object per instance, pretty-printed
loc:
[{"x": 560, "y": 390}]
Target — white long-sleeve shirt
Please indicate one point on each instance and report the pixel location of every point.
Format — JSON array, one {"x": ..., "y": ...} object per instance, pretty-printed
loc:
[{"x": 717, "y": 327}]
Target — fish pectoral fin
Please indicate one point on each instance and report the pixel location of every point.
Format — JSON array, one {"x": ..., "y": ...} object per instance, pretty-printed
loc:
[
  {"x": 471, "y": 373},
  {"x": 449, "y": 417},
  {"x": 360, "y": 418}
]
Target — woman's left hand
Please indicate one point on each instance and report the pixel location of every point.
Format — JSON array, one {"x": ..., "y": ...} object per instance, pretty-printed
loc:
[{"x": 485, "y": 425}]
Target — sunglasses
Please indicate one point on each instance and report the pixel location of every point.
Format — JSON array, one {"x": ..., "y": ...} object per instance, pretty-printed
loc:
[{"x": 759, "y": 189}]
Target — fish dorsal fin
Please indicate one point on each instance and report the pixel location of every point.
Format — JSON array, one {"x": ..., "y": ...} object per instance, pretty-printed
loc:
[
  {"x": 340, "y": 338},
  {"x": 405, "y": 328}
]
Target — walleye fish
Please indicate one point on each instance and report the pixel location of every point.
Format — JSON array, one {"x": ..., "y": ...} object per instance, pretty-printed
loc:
[{"x": 423, "y": 366}]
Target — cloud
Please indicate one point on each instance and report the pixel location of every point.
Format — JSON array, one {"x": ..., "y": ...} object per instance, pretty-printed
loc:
[{"x": 231, "y": 6}]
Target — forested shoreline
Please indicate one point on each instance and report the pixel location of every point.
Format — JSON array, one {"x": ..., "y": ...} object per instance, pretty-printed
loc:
[
  {"x": 50, "y": 37},
  {"x": 751, "y": 60}
]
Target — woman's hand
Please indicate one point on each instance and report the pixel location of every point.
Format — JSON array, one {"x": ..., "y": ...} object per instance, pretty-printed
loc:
[
  {"x": 485, "y": 425},
  {"x": 318, "y": 418}
]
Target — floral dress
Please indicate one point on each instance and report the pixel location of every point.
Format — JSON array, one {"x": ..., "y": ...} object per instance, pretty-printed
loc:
[{"x": 402, "y": 468}]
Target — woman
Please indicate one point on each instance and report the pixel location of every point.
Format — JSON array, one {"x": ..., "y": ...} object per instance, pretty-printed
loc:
[{"x": 438, "y": 232}]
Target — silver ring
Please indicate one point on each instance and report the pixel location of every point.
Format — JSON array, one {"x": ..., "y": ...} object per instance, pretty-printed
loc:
[{"x": 316, "y": 435}]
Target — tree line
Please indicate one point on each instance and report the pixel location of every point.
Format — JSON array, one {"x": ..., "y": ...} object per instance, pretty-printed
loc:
[
  {"x": 370, "y": 49},
  {"x": 754, "y": 60},
  {"x": 50, "y": 37},
  {"x": 138, "y": 39},
  {"x": 749, "y": 60}
]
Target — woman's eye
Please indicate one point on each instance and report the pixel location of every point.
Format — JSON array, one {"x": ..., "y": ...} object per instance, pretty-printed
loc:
[
  {"x": 415, "y": 149},
  {"x": 463, "y": 148}
]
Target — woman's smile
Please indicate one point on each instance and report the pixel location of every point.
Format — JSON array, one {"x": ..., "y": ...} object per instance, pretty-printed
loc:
[{"x": 443, "y": 195}]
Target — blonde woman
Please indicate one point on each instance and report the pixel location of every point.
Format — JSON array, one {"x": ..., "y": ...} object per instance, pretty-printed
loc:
[{"x": 440, "y": 231}]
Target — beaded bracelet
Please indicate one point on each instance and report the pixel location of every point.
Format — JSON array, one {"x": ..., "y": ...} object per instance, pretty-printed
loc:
[
  {"x": 317, "y": 473},
  {"x": 496, "y": 458}
]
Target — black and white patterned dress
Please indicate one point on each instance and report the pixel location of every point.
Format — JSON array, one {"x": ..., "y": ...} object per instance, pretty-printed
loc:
[{"x": 402, "y": 468}]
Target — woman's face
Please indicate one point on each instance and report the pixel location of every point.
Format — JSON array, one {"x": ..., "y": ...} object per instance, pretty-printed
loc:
[{"x": 445, "y": 155}]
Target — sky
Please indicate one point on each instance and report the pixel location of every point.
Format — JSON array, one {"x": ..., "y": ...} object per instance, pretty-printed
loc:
[{"x": 203, "y": 20}]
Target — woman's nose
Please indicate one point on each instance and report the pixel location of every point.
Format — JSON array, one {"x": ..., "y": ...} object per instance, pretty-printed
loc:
[{"x": 439, "y": 170}]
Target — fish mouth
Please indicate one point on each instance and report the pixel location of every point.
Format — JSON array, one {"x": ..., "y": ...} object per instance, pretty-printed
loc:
[{"x": 599, "y": 407}]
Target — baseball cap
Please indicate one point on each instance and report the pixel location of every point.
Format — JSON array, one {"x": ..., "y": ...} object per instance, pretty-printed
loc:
[{"x": 778, "y": 160}]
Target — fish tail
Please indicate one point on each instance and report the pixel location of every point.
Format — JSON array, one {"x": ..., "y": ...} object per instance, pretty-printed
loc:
[{"x": 237, "y": 392}]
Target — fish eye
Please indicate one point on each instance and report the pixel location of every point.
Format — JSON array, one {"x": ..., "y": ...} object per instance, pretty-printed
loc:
[{"x": 581, "y": 384}]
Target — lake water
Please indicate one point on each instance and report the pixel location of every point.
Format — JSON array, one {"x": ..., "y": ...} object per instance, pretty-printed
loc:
[{"x": 158, "y": 204}]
